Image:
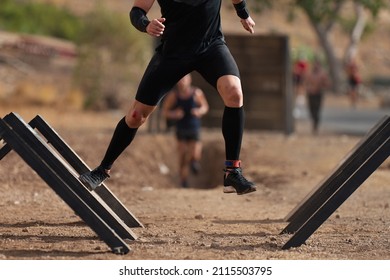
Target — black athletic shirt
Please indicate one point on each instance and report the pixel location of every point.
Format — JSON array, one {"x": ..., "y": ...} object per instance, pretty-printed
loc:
[{"x": 190, "y": 26}]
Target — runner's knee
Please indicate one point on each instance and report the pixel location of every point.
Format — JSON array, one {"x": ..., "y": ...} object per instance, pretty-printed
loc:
[
  {"x": 136, "y": 118},
  {"x": 232, "y": 95}
]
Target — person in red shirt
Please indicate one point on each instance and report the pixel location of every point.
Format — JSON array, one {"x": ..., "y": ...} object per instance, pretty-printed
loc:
[
  {"x": 316, "y": 82},
  {"x": 299, "y": 71},
  {"x": 354, "y": 80}
]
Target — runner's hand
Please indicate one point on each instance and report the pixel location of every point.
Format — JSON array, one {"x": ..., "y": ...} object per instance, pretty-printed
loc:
[
  {"x": 248, "y": 24},
  {"x": 156, "y": 27}
]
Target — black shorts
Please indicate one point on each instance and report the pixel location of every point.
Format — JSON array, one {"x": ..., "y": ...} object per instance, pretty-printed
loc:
[
  {"x": 163, "y": 72},
  {"x": 353, "y": 83},
  {"x": 297, "y": 79},
  {"x": 188, "y": 135}
]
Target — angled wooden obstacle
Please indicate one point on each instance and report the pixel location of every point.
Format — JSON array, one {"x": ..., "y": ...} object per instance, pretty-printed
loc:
[
  {"x": 356, "y": 167},
  {"x": 59, "y": 166}
]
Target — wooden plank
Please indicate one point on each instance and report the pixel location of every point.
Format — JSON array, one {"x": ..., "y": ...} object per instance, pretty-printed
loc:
[
  {"x": 253, "y": 61},
  {"x": 268, "y": 103},
  {"x": 266, "y": 42},
  {"x": 261, "y": 86},
  {"x": 4, "y": 151}
]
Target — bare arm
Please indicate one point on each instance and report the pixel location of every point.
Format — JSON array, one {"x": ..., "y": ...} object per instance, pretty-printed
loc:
[
  {"x": 168, "y": 103},
  {"x": 201, "y": 100},
  {"x": 168, "y": 107}
]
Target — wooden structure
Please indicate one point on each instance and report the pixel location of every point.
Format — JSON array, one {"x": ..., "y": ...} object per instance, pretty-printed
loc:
[
  {"x": 264, "y": 63},
  {"x": 59, "y": 166},
  {"x": 324, "y": 200}
]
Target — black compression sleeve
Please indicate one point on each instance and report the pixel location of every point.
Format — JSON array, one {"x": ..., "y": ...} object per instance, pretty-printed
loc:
[
  {"x": 139, "y": 19},
  {"x": 242, "y": 10},
  {"x": 233, "y": 121},
  {"x": 122, "y": 137}
]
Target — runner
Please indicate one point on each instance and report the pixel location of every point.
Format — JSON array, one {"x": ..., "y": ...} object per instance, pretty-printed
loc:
[{"x": 191, "y": 40}]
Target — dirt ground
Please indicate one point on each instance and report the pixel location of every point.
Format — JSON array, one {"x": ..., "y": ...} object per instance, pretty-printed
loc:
[{"x": 200, "y": 222}]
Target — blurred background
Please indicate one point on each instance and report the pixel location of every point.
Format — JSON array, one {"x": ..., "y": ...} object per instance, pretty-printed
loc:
[{"x": 85, "y": 55}]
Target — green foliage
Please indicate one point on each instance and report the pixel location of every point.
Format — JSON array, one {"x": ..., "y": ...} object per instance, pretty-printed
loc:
[
  {"x": 104, "y": 29},
  {"x": 374, "y": 6},
  {"x": 320, "y": 11},
  {"x": 261, "y": 5},
  {"x": 324, "y": 11},
  {"x": 347, "y": 25},
  {"x": 38, "y": 18},
  {"x": 303, "y": 52},
  {"x": 111, "y": 54}
]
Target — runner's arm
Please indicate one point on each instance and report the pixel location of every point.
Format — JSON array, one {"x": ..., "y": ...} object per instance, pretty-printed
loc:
[
  {"x": 242, "y": 11},
  {"x": 138, "y": 17},
  {"x": 168, "y": 110},
  {"x": 201, "y": 101}
]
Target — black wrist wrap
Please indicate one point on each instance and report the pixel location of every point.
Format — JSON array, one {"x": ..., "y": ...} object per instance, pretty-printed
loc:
[
  {"x": 242, "y": 10},
  {"x": 139, "y": 19}
]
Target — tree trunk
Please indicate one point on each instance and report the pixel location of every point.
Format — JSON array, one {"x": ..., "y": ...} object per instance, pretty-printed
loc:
[
  {"x": 356, "y": 34},
  {"x": 333, "y": 63}
]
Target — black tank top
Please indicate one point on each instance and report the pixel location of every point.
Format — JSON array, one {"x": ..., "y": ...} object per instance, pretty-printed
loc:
[
  {"x": 189, "y": 122},
  {"x": 190, "y": 26}
]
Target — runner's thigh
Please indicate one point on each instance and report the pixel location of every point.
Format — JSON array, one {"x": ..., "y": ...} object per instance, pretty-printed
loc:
[
  {"x": 217, "y": 62},
  {"x": 160, "y": 76}
]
